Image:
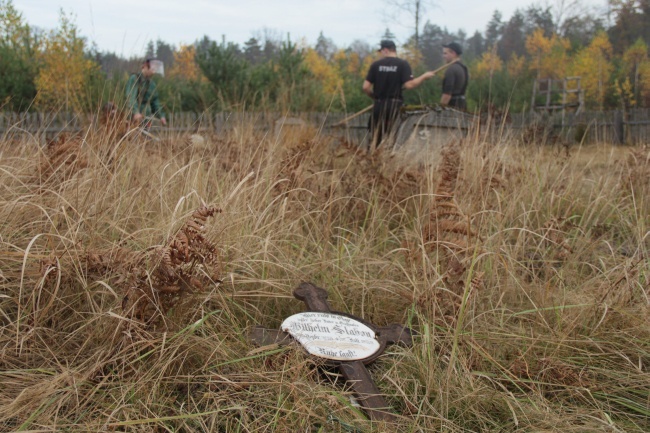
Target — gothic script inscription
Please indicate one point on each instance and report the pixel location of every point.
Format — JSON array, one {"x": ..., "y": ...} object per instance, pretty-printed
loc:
[{"x": 332, "y": 336}]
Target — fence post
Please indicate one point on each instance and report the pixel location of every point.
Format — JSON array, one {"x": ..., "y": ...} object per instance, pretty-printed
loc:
[{"x": 619, "y": 127}]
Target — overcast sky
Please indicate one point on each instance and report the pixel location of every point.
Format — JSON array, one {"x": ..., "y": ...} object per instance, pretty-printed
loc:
[{"x": 125, "y": 26}]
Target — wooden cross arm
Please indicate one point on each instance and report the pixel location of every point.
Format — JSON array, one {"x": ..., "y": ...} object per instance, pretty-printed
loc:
[
  {"x": 313, "y": 296},
  {"x": 396, "y": 334},
  {"x": 366, "y": 392}
]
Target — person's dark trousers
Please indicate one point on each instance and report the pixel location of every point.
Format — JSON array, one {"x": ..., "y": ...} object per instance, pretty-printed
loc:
[
  {"x": 384, "y": 120},
  {"x": 458, "y": 103}
]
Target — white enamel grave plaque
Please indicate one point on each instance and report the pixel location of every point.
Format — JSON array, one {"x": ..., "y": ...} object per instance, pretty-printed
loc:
[{"x": 332, "y": 336}]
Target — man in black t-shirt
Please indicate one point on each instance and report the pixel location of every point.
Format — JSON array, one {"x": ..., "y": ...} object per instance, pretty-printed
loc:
[
  {"x": 456, "y": 78},
  {"x": 384, "y": 83}
]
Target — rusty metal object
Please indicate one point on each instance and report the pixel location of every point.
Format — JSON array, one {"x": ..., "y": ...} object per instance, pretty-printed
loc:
[{"x": 354, "y": 372}]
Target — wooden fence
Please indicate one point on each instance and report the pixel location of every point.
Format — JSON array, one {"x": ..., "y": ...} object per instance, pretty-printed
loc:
[
  {"x": 630, "y": 127},
  {"x": 54, "y": 123}
]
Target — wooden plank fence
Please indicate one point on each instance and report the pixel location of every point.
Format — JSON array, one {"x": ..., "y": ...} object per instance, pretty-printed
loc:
[
  {"x": 52, "y": 123},
  {"x": 630, "y": 127}
]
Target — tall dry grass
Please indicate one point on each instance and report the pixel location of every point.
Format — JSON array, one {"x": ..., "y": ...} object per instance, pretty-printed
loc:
[{"x": 126, "y": 297}]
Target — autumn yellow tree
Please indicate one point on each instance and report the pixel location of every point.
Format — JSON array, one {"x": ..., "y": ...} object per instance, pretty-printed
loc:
[
  {"x": 625, "y": 92},
  {"x": 185, "y": 66},
  {"x": 63, "y": 78},
  {"x": 635, "y": 60},
  {"x": 488, "y": 64},
  {"x": 13, "y": 30},
  {"x": 412, "y": 54},
  {"x": 516, "y": 65},
  {"x": 548, "y": 54},
  {"x": 349, "y": 63},
  {"x": 325, "y": 72},
  {"x": 644, "y": 82},
  {"x": 592, "y": 64},
  {"x": 367, "y": 62}
]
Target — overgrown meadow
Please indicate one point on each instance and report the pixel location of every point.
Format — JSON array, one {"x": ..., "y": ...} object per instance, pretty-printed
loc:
[{"x": 132, "y": 271}]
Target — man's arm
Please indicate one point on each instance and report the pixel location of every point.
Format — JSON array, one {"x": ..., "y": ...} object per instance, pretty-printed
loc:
[
  {"x": 132, "y": 96},
  {"x": 448, "y": 86},
  {"x": 156, "y": 106},
  {"x": 415, "y": 82},
  {"x": 367, "y": 89}
]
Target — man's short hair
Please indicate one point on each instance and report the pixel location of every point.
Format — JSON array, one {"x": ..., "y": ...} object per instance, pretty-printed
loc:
[
  {"x": 387, "y": 43},
  {"x": 455, "y": 47}
]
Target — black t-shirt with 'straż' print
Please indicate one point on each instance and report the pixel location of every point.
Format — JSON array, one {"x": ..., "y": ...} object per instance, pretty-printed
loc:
[{"x": 387, "y": 76}]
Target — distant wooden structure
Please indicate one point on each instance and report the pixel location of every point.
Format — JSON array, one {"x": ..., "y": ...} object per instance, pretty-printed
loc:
[{"x": 557, "y": 96}]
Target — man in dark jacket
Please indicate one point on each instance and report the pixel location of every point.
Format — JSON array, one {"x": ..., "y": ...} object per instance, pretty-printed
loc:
[
  {"x": 384, "y": 83},
  {"x": 141, "y": 95},
  {"x": 456, "y": 78}
]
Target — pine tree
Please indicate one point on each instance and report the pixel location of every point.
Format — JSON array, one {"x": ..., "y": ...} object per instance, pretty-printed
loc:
[{"x": 18, "y": 66}]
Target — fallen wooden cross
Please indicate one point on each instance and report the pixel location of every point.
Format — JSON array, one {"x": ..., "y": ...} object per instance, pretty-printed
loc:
[{"x": 345, "y": 341}]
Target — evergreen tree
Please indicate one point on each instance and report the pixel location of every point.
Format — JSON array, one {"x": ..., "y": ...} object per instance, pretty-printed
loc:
[
  {"x": 18, "y": 67},
  {"x": 631, "y": 22},
  {"x": 475, "y": 46},
  {"x": 325, "y": 47},
  {"x": 415, "y": 8},
  {"x": 581, "y": 29},
  {"x": 388, "y": 35},
  {"x": 151, "y": 50},
  {"x": 539, "y": 18},
  {"x": 494, "y": 30},
  {"x": 431, "y": 41},
  {"x": 226, "y": 68},
  {"x": 165, "y": 53},
  {"x": 253, "y": 51},
  {"x": 513, "y": 37}
]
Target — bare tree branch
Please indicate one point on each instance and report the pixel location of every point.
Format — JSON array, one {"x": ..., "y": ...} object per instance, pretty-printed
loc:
[{"x": 414, "y": 8}]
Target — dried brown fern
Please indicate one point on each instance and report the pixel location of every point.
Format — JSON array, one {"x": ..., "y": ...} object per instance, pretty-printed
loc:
[
  {"x": 447, "y": 222},
  {"x": 637, "y": 167},
  {"x": 62, "y": 157},
  {"x": 186, "y": 263},
  {"x": 449, "y": 233},
  {"x": 156, "y": 279},
  {"x": 554, "y": 232},
  {"x": 551, "y": 375},
  {"x": 113, "y": 123},
  {"x": 312, "y": 172},
  {"x": 394, "y": 181},
  {"x": 292, "y": 167}
]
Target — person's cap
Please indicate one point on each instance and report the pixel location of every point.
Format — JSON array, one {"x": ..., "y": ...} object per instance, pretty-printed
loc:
[
  {"x": 454, "y": 46},
  {"x": 387, "y": 43}
]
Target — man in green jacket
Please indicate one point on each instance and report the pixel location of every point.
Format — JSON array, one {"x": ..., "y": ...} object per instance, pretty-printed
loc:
[{"x": 141, "y": 95}]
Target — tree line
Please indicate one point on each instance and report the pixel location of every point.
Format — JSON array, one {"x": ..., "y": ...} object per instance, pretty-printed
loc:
[{"x": 60, "y": 70}]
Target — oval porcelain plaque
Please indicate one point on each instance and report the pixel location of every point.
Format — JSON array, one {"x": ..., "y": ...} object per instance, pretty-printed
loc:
[{"x": 332, "y": 336}]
